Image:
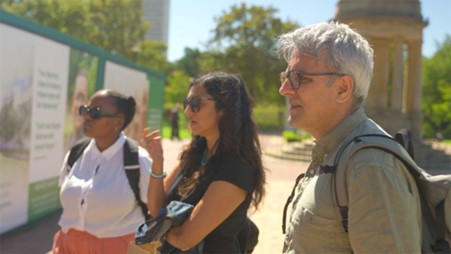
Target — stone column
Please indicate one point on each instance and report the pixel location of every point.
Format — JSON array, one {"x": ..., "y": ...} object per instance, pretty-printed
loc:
[
  {"x": 378, "y": 94},
  {"x": 413, "y": 90},
  {"x": 396, "y": 99}
]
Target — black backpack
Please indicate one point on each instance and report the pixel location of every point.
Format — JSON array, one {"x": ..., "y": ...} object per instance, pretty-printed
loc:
[
  {"x": 131, "y": 166},
  {"x": 434, "y": 191}
]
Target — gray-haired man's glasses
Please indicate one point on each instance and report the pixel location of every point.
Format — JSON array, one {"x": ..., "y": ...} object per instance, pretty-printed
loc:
[{"x": 296, "y": 79}]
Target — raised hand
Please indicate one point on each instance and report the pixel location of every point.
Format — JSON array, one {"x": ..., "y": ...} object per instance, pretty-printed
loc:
[{"x": 151, "y": 141}]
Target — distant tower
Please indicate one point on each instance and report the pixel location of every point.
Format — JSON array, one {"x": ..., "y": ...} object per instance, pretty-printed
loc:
[
  {"x": 394, "y": 29},
  {"x": 156, "y": 12}
]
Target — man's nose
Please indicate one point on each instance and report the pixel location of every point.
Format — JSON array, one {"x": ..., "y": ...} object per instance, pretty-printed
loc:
[{"x": 285, "y": 88}]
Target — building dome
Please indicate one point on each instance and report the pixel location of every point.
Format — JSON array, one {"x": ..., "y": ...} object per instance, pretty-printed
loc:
[{"x": 351, "y": 9}]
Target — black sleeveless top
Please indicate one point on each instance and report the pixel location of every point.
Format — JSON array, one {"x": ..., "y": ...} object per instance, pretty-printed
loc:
[{"x": 236, "y": 171}]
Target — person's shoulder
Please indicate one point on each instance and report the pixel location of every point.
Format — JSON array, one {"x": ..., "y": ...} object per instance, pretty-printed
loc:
[
  {"x": 238, "y": 161},
  {"x": 374, "y": 159},
  {"x": 238, "y": 165},
  {"x": 237, "y": 171}
]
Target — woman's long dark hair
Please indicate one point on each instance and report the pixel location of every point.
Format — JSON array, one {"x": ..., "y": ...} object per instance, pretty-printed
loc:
[{"x": 238, "y": 134}]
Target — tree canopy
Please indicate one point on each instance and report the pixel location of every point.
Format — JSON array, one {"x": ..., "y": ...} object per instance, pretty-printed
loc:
[
  {"x": 114, "y": 25},
  {"x": 243, "y": 41},
  {"x": 437, "y": 91}
]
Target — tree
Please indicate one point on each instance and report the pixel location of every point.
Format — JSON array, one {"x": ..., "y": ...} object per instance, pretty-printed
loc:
[
  {"x": 177, "y": 87},
  {"x": 243, "y": 42},
  {"x": 190, "y": 62},
  {"x": 152, "y": 55},
  {"x": 179, "y": 76},
  {"x": 114, "y": 25},
  {"x": 437, "y": 91}
]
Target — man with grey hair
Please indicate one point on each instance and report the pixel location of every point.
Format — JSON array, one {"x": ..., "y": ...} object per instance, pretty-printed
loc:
[{"x": 329, "y": 72}]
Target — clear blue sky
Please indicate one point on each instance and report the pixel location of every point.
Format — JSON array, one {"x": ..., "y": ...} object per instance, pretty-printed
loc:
[{"x": 191, "y": 21}]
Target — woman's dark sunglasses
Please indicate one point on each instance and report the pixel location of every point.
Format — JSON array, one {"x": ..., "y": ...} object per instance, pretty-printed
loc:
[
  {"x": 194, "y": 102},
  {"x": 94, "y": 113}
]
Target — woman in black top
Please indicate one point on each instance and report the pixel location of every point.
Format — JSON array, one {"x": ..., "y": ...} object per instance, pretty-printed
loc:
[{"x": 221, "y": 170}]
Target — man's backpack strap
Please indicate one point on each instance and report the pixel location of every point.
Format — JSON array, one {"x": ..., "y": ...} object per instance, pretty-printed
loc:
[
  {"x": 403, "y": 138},
  {"x": 132, "y": 170},
  {"x": 348, "y": 150},
  {"x": 288, "y": 202},
  {"x": 76, "y": 151},
  {"x": 432, "y": 200}
]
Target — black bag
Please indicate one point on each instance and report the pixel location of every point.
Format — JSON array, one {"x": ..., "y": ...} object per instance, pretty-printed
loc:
[
  {"x": 174, "y": 214},
  {"x": 248, "y": 236}
]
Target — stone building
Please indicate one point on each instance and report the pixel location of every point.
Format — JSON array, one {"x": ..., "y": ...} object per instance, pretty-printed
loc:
[
  {"x": 394, "y": 29},
  {"x": 156, "y": 12}
]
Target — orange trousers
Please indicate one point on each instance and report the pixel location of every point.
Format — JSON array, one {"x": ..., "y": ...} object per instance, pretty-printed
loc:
[{"x": 75, "y": 241}]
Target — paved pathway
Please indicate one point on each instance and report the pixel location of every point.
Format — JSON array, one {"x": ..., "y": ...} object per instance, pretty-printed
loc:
[{"x": 37, "y": 238}]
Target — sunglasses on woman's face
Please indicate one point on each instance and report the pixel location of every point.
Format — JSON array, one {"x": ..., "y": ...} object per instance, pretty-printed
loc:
[
  {"x": 194, "y": 102},
  {"x": 94, "y": 113}
]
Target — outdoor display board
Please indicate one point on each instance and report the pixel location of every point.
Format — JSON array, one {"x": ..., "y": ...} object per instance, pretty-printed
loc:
[
  {"x": 132, "y": 83},
  {"x": 44, "y": 77}
]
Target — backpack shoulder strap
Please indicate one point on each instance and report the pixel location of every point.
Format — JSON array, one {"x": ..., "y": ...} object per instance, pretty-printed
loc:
[
  {"x": 288, "y": 202},
  {"x": 348, "y": 150},
  {"x": 403, "y": 138},
  {"x": 434, "y": 191},
  {"x": 76, "y": 151},
  {"x": 132, "y": 170}
]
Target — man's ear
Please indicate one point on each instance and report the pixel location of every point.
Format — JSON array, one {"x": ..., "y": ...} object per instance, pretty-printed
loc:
[{"x": 345, "y": 88}]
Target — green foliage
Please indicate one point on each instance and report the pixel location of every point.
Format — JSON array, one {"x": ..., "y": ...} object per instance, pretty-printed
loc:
[
  {"x": 152, "y": 55},
  {"x": 177, "y": 88},
  {"x": 437, "y": 91},
  {"x": 295, "y": 135},
  {"x": 270, "y": 117},
  {"x": 291, "y": 136},
  {"x": 114, "y": 25},
  {"x": 245, "y": 36},
  {"x": 190, "y": 62},
  {"x": 243, "y": 42}
]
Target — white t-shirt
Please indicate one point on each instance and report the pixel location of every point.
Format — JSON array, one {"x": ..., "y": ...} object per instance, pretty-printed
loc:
[{"x": 96, "y": 195}]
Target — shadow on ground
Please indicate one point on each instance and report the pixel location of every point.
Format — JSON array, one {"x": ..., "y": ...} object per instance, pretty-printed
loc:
[{"x": 36, "y": 237}]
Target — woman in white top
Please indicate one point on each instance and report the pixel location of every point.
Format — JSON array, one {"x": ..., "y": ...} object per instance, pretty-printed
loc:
[{"x": 100, "y": 211}]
